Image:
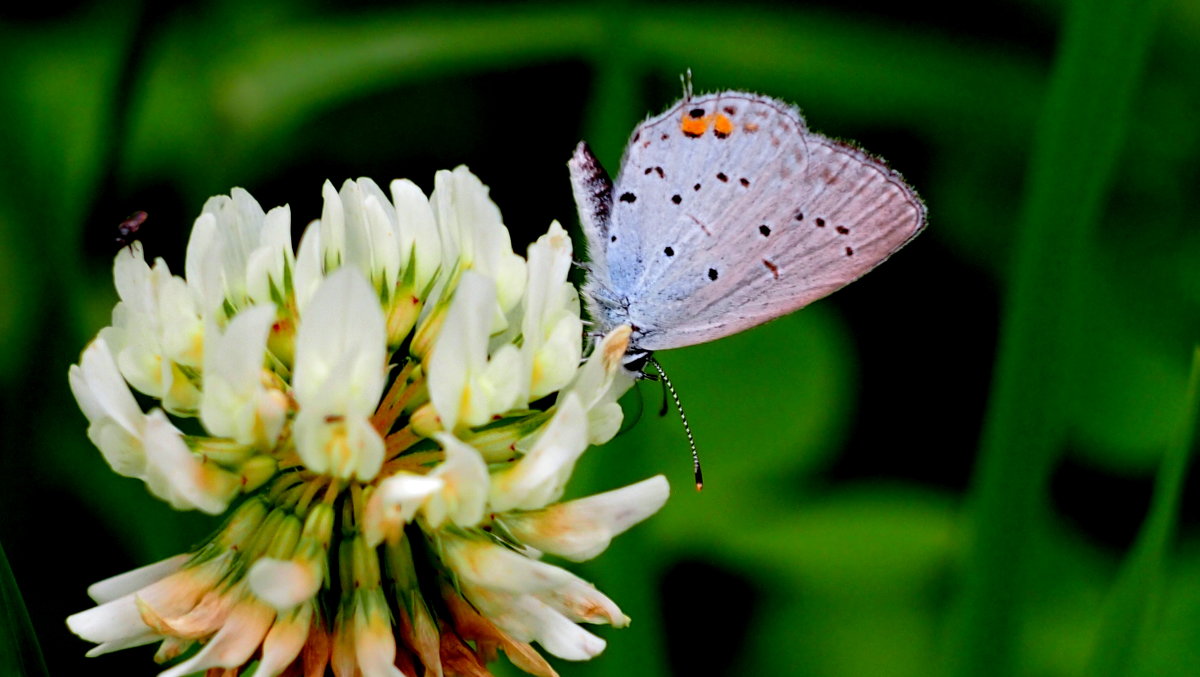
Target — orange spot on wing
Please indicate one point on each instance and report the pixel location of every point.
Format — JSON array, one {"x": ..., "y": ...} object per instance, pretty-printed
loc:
[
  {"x": 751, "y": 127},
  {"x": 722, "y": 125},
  {"x": 694, "y": 126}
]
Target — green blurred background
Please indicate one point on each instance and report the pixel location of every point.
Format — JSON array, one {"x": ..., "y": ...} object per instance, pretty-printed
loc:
[{"x": 971, "y": 462}]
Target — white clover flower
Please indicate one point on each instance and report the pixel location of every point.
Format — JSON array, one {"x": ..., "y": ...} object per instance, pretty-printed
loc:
[{"x": 379, "y": 396}]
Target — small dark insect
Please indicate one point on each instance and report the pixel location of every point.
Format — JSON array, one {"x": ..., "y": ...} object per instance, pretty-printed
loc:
[{"x": 128, "y": 229}]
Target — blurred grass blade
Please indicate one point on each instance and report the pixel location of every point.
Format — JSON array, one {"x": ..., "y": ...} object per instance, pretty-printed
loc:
[
  {"x": 1083, "y": 124},
  {"x": 1134, "y": 603},
  {"x": 19, "y": 652}
]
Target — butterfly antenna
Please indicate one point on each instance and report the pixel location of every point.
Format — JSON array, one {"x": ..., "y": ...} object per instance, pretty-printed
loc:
[
  {"x": 696, "y": 470},
  {"x": 662, "y": 411},
  {"x": 685, "y": 79}
]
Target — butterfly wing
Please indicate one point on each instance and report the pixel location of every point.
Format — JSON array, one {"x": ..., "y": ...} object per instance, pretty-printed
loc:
[{"x": 728, "y": 213}]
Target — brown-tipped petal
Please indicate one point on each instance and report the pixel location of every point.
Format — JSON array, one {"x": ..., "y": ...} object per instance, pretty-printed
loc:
[
  {"x": 316, "y": 653},
  {"x": 284, "y": 641},
  {"x": 581, "y": 529},
  {"x": 172, "y": 648},
  {"x": 203, "y": 620},
  {"x": 458, "y": 658},
  {"x": 234, "y": 643},
  {"x": 420, "y": 633},
  {"x": 180, "y": 592},
  {"x": 406, "y": 662},
  {"x": 583, "y": 603},
  {"x": 471, "y": 625},
  {"x": 526, "y": 658},
  {"x": 374, "y": 643},
  {"x": 343, "y": 660}
]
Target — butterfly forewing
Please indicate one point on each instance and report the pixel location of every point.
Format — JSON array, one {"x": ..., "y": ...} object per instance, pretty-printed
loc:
[{"x": 728, "y": 213}]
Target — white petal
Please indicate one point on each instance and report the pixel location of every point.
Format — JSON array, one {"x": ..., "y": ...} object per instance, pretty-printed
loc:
[
  {"x": 148, "y": 637},
  {"x": 581, "y": 602},
  {"x": 556, "y": 359},
  {"x": 239, "y": 222},
  {"x": 101, "y": 390},
  {"x": 460, "y": 351},
  {"x": 381, "y": 233},
  {"x": 374, "y": 643},
  {"x": 131, "y": 277},
  {"x": 233, "y": 366},
  {"x": 112, "y": 621},
  {"x": 581, "y": 529},
  {"x": 500, "y": 384},
  {"x": 395, "y": 502},
  {"x": 131, "y": 581},
  {"x": 491, "y": 566},
  {"x": 563, "y": 638},
  {"x": 540, "y": 477},
  {"x": 420, "y": 244},
  {"x": 333, "y": 228},
  {"x": 181, "y": 337},
  {"x": 600, "y": 381},
  {"x": 340, "y": 445},
  {"x": 202, "y": 265},
  {"x": 284, "y": 583},
  {"x": 549, "y": 263},
  {"x": 465, "y": 485},
  {"x": 309, "y": 267},
  {"x": 343, "y": 326},
  {"x": 176, "y": 475},
  {"x": 266, "y": 265},
  {"x": 527, "y": 619}
]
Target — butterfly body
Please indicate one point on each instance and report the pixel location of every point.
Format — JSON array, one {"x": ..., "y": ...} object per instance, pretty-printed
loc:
[{"x": 728, "y": 212}]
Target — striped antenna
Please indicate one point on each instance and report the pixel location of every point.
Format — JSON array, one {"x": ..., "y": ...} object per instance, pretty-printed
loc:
[{"x": 699, "y": 474}]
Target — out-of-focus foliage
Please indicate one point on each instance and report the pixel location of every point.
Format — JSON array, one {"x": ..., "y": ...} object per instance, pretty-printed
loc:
[{"x": 844, "y": 527}]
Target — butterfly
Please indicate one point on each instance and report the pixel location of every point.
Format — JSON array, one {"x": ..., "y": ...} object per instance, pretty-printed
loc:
[{"x": 728, "y": 212}]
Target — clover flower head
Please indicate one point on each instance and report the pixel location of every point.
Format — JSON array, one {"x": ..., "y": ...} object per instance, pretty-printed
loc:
[{"x": 389, "y": 414}]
